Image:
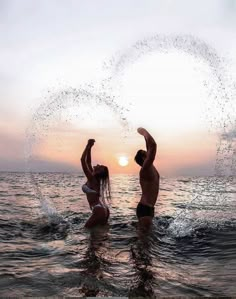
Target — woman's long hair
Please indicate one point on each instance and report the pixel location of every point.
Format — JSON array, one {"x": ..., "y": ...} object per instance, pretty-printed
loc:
[{"x": 105, "y": 188}]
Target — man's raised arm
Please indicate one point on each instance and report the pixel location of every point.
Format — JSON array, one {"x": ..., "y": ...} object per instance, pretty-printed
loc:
[{"x": 151, "y": 147}]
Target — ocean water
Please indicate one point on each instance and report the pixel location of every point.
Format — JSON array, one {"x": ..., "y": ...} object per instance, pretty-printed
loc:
[{"x": 46, "y": 251}]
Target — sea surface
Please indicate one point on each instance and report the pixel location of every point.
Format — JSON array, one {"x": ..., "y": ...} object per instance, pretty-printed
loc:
[{"x": 46, "y": 251}]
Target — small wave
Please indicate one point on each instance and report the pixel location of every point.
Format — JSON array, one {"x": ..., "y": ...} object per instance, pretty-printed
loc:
[
  {"x": 21, "y": 194},
  {"x": 204, "y": 207},
  {"x": 43, "y": 229},
  {"x": 165, "y": 189},
  {"x": 184, "y": 180},
  {"x": 54, "y": 196},
  {"x": 180, "y": 228},
  {"x": 5, "y": 195},
  {"x": 224, "y": 191}
]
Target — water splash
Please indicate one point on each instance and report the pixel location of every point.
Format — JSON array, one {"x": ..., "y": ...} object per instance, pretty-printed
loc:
[
  {"x": 221, "y": 91},
  {"x": 43, "y": 117}
]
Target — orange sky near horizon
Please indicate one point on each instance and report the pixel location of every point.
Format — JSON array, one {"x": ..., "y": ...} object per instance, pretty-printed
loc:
[
  {"x": 172, "y": 154},
  {"x": 167, "y": 98}
]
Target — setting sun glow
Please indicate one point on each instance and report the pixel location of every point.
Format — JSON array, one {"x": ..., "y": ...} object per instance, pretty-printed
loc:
[{"x": 123, "y": 161}]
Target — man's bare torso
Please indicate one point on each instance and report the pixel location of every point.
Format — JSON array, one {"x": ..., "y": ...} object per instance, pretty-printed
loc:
[{"x": 149, "y": 181}]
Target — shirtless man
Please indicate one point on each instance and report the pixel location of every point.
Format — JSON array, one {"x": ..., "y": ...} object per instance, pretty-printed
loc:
[{"x": 149, "y": 180}]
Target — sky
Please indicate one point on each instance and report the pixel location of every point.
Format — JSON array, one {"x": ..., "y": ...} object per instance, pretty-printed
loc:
[{"x": 50, "y": 47}]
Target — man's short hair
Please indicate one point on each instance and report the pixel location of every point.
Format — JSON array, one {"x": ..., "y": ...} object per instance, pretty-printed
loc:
[{"x": 139, "y": 158}]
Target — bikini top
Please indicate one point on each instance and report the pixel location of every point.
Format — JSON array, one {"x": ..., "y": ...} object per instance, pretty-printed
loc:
[{"x": 87, "y": 190}]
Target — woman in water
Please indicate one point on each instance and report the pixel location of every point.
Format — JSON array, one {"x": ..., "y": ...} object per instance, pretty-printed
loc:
[{"x": 96, "y": 188}]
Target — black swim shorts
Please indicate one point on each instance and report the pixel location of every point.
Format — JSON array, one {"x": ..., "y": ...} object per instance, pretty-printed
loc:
[{"x": 143, "y": 210}]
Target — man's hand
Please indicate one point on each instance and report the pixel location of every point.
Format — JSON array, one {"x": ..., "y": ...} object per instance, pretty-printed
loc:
[
  {"x": 91, "y": 142},
  {"x": 142, "y": 131}
]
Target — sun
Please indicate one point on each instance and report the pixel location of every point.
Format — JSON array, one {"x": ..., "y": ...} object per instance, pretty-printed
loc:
[{"x": 123, "y": 161}]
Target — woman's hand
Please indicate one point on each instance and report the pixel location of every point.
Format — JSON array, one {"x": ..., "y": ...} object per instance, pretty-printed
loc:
[{"x": 91, "y": 142}]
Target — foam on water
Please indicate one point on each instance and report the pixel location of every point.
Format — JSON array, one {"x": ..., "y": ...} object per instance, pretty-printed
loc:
[{"x": 47, "y": 206}]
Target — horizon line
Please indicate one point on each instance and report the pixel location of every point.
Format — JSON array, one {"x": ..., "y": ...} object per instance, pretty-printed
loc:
[{"x": 125, "y": 174}]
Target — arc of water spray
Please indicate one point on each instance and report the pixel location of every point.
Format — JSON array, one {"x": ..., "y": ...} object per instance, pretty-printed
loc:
[
  {"x": 58, "y": 101},
  {"x": 186, "y": 43},
  {"x": 222, "y": 91}
]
